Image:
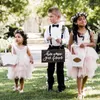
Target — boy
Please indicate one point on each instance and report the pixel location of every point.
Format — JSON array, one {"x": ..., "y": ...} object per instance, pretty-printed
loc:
[{"x": 56, "y": 35}]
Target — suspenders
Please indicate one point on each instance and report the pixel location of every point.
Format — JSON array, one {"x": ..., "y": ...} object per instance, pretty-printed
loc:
[
  {"x": 50, "y": 34},
  {"x": 63, "y": 29}
]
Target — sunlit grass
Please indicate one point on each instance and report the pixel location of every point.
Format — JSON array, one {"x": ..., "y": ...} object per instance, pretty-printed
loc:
[{"x": 36, "y": 88}]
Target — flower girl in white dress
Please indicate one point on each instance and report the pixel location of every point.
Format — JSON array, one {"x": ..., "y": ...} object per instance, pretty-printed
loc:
[
  {"x": 23, "y": 69},
  {"x": 83, "y": 38}
]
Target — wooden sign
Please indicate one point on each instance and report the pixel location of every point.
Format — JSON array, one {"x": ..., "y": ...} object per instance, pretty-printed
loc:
[{"x": 54, "y": 55}]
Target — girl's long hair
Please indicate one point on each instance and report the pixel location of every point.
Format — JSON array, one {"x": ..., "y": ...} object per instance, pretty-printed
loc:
[{"x": 75, "y": 29}]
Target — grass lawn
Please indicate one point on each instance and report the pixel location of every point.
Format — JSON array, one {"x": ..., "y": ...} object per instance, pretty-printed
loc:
[{"x": 36, "y": 88}]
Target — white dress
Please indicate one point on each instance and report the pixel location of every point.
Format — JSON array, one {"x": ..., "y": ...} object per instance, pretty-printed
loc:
[
  {"x": 24, "y": 68},
  {"x": 89, "y": 66}
]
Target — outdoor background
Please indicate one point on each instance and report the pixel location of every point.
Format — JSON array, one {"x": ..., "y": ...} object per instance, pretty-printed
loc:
[{"x": 31, "y": 16}]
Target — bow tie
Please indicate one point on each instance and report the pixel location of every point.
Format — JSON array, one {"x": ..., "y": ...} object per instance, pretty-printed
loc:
[{"x": 57, "y": 25}]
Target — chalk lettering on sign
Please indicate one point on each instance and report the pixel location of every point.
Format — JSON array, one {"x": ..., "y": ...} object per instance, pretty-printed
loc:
[
  {"x": 57, "y": 58},
  {"x": 46, "y": 58},
  {"x": 58, "y": 54},
  {"x": 53, "y": 55},
  {"x": 48, "y": 53}
]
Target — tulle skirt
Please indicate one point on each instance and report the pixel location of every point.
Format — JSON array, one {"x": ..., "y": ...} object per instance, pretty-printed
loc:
[
  {"x": 89, "y": 66},
  {"x": 23, "y": 69}
]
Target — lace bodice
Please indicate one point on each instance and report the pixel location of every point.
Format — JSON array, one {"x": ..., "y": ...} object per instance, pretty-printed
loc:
[
  {"x": 84, "y": 39},
  {"x": 21, "y": 53}
]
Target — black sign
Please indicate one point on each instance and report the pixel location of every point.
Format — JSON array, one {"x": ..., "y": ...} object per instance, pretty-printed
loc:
[{"x": 54, "y": 55}]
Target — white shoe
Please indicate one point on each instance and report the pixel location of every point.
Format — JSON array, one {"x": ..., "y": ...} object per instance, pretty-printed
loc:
[
  {"x": 21, "y": 91},
  {"x": 83, "y": 94},
  {"x": 16, "y": 88},
  {"x": 79, "y": 96}
]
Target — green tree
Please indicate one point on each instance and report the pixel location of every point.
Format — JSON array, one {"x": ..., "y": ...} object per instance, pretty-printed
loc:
[
  {"x": 15, "y": 9},
  {"x": 70, "y": 7}
]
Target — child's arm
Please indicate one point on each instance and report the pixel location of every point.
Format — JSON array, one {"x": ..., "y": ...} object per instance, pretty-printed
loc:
[
  {"x": 92, "y": 41},
  {"x": 12, "y": 49},
  {"x": 70, "y": 41},
  {"x": 47, "y": 36},
  {"x": 9, "y": 46},
  {"x": 65, "y": 39},
  {"x": 30, "y": 56}
]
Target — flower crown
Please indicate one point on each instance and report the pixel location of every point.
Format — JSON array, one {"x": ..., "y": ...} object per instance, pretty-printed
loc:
[{"x": 77, "y": 15}]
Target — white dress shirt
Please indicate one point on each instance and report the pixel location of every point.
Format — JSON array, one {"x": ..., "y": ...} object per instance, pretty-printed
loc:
[{"x": 56, "y": 33}]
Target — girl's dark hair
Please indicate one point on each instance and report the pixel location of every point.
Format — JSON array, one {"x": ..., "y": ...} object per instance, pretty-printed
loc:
[
  {"x": 75, "y": 26},
  {"x": 21, "y": 32}
]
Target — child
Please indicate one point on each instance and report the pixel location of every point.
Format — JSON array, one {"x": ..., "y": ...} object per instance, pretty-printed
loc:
[
  {"x": 98, "y": 44},
  {"x": 83, "y": 37},
  {"x": 23, "y": 69},
  {"x": 56, "y": 35}
]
